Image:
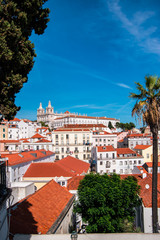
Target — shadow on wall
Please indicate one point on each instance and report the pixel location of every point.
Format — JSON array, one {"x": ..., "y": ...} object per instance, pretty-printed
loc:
[{"x": 22, "y": 220}]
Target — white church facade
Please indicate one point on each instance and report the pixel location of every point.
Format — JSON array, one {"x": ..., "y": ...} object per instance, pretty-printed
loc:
[{"x": 56, "y": 120}]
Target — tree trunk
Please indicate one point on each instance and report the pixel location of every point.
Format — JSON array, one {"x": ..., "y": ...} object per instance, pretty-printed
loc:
[{"x": 154, "y": 183}]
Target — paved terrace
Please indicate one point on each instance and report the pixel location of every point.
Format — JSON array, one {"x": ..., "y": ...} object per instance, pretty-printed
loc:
[{"x": 113, "y": 236}]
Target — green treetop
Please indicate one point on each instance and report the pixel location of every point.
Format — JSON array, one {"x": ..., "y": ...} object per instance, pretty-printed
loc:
[
  {"x": 18, "y": 19},
  {"x": 106, "y": 202}
]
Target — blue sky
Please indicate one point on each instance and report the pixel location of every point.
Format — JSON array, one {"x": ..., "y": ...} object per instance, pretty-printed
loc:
[{"x": 90, "y": 56}]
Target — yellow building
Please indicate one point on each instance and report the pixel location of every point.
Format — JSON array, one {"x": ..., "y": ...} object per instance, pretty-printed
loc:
[
  {"x": 146, "y": 151},
  {"x": 3, "y": 131}
]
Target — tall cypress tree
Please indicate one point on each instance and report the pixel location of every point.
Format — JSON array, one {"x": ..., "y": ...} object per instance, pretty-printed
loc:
[{"x": 17, "y": 21}]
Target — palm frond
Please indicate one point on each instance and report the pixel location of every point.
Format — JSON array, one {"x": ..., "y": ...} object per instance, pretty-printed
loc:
[{"x": 150, "y": 82}]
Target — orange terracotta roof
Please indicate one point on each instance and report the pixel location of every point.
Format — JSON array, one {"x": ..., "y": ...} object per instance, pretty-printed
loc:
[
  {"x": 142, "y": 147},
  {"x": 138, "y": 135},
  {"x": 15, "y": 120},
  {"x": 74, "y": 165},
  {"x": 43, "y": 140},
  {"x": 37, "y": 135},
  {"x": 71, "y": 130},
  {"x": 146, "y": 190},
  {"x": 10, "y": 141},
  {"x": 39, "y": 211},
  {"x": 105, "y": 149},
  {"x": 125, "y": 151},
  {"x": 18, "y": 158},
  {"x": 149, "y": 164},
  {"x": 26, "y": 141},
  {"x": 74, "y": 182},
  {"x": 121, "y": 140},
  {"x": 47, "y": 169}
]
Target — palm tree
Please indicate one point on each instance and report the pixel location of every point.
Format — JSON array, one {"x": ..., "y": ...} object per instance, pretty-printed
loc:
[{"x": 147, "y": 110}]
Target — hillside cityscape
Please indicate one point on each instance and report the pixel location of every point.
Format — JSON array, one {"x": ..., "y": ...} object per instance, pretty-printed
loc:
[
  {"x": 46, "y": 160},
  {"x": 79, "y": 120}
]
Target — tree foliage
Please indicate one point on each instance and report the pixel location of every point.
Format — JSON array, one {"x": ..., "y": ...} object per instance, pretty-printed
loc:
[
  {"x": 18, "y": 20},
  {"x": 125, "y": 126},
  {"x": 147, "y": 108},
  {"x": 110, "y": 125},
  {"x": 106, "y": 202}
]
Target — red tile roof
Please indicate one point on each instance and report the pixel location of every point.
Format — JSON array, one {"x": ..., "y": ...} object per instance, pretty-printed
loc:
[
  {"x": 10, "y": 141},
  {"x": 47, "y": 169},
  {"x": 39, "y": 211},
  {"x": 105, "y": 149},
  {"x": 74, "y": 182},
  {"x": 142, "y": 147},
  {"x": 72, "y": 129},
  {"x": 125, "y": 151},
  {"x": 74, "y": 165},
  {"x": 18, "y": 158},
  {"x": 15, "y": 120},
  {"x": 37, "y": 135},
  {"x": 146, "y": 190},
  {"x": 138, "y": 135},
  {"x": 43, "y": 140},
  {"x": 149, "y": 164}
]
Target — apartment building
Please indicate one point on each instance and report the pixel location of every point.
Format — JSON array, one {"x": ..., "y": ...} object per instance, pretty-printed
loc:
[
  {"x": 119, "y": 160},
  {"x": 103, "y": 138},
  {"x": 74, "y": 142},
  {"x": 138, "y": 139}
]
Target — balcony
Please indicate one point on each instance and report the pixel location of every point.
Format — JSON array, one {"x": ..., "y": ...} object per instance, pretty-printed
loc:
[
  {"x": 68, "y": 151},
  {"x": 88, "y": 150}
]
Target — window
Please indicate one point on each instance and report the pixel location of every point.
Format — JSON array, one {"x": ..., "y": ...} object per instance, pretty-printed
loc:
[
  {"x": 113, "y": 155},
  {"x": 101, "y": 163},
  {"x": 130, "y": 162},
  {"x": 114, "y": 170},
  {"x": 67, "y": 136},
  {"x": 106, "y": 155},
  {"x": 3, "y": 129},
  {"x": 125, "y": 162},
  {"x": 62, "y": 156},
  {"x": 139, "y": 161},
  {"x": 62, "y": 150},
  {"x": 56, "y": 136},
  {"x": 84, "y": 156},
  {"x": 63, "y": 183},
  {"x": 100, "y": 156},
  {"x": 147, "y": 155},
  {"x": 3, "y": 135},
  {"x": 121, "y": 163},
  {"x": 135, "y": 162},
  {"x": 76, "y": 156},
  {"x": 121, "y": 170}
]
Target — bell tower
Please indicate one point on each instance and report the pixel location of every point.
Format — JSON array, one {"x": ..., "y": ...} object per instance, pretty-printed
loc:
[{"x": 40, "y": 113}]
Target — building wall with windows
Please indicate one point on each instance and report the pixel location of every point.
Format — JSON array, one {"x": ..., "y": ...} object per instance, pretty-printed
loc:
[
  {"x": 74, "y": 142},
  {"x": 109, "y": 160},
  {"x": 102, "y": 138},
  {"x": 138, "y": 139},
  {"x": 3, "y": 132}
]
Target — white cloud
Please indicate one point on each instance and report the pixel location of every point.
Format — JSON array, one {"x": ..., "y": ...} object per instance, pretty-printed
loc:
[
  {"x": 123, "y": 85},
  {"x": 136, "y": 28}
]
